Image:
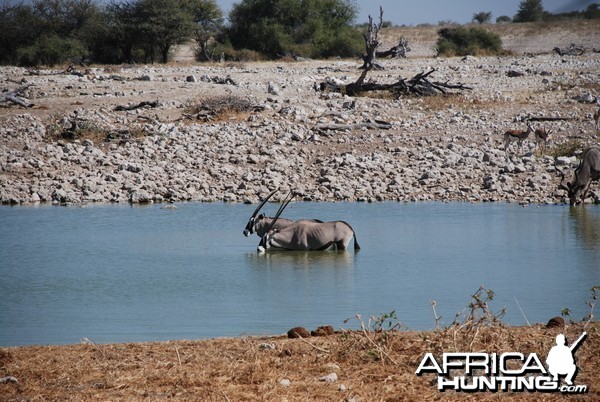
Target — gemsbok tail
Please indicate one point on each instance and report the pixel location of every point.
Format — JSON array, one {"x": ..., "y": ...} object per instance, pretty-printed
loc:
[{"x": 356, "y": 246}]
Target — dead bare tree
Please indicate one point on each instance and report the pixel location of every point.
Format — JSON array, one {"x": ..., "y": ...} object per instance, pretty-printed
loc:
[{"x": 372, "y": 43}]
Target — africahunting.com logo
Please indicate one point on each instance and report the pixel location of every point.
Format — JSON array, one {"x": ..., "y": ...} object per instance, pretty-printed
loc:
[{"x": 511, "y": 371}]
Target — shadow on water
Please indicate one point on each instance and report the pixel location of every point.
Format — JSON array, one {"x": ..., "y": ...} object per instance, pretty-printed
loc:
[{"x": 587, "y": 226}]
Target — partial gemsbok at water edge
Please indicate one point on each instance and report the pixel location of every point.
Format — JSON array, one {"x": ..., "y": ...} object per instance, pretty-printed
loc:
[
  {"x": 262, "y": 223},
  {"x": 587, "y": 171},
  {"x": 307, "y": 235},
  {"x": 597, "y": 114}
]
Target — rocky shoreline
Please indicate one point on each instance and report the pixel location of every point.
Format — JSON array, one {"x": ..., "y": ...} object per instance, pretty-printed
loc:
[{"x": 324, "y": 146}]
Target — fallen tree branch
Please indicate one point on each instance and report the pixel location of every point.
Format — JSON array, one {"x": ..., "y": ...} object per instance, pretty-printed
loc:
[
  {"x": 417, "y": 85},
  {"x": 374, "y": 125},
  {"x": 219, "y": 80},
  {"x": 15, "y": 98},
  {"x": 152, "y": 104},
  {"x": 73, "y": 71},
  {"x": 572, "y": 50},
  {"x": 399, "y": 50},
  {"x": 549, "y": 118}
]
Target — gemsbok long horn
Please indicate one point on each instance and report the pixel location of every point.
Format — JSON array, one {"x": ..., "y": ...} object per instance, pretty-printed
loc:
[
  {"x": 251, "y": 222},
  {"x": 263, "y": 202},
  {"x": 562, "y": 181},
  {"x": 284, "y": 204}
]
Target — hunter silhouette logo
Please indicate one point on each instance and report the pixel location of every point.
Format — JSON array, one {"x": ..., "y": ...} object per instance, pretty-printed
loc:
[
  {"x": 510, "y": 371},
  {"x": 560, "y": 359}
]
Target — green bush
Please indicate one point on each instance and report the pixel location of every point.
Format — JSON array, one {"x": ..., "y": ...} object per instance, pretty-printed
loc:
[
  {"x": 462, "y": 41},
  {"x": 51, "y": 50},
  {"x": 345, "y": 42},
  {"x": 231, "y": 54},
  {"x": 309, "y": 28}
]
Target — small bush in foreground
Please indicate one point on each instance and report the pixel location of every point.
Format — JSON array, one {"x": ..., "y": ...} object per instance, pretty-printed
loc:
[
  {"x": 568, "y": 148},
  {"x": 72, "y": 128}
]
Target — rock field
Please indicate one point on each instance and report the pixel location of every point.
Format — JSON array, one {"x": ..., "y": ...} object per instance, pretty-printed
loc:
[{"x": 73, "y": 147}]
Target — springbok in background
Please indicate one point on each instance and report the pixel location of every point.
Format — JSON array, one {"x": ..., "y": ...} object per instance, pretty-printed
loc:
[
  {"x": 542, "y": 135},
  {"x": 516, "y": 136},
  {"x": 587, "y": 171}
]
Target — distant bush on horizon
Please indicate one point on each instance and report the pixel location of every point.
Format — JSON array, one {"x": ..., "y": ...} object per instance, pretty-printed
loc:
[{"x": 463, "y": 41}]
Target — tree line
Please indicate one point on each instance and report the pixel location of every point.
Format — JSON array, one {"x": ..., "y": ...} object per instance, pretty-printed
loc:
[
  {"x": 533, "y": 11},
  {"x": 49, "y": 32}
]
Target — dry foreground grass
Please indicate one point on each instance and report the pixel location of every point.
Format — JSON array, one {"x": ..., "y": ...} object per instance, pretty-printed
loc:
[{"x": 368, "y": 366}]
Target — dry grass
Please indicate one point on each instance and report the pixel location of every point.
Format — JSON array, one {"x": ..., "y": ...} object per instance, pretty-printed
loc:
[
  {"x": 543, "y": 27},
  {"x": 72, "y": 128},
  {"x": 223, "y": 107},
  {"x": 453, "y": 100},
  {"x": 370, "y": 365}
]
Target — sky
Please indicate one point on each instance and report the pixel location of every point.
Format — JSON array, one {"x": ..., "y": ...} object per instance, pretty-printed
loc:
[{"x": 411, "y": 12}]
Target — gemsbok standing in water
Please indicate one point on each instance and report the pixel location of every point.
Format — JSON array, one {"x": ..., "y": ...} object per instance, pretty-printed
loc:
[
  {"x": 260, "y": 224},
  {"x": 587, "y": 171},
  {"x": 307, "y": 235},
  {"x": 516, "y": 136}
]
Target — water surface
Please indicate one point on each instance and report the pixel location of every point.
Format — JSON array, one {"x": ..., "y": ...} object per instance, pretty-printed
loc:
[{"x": 120, "y": 273}]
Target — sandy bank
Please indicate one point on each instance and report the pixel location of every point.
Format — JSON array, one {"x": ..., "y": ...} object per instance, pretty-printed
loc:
[{"x": 367, "y": 366}]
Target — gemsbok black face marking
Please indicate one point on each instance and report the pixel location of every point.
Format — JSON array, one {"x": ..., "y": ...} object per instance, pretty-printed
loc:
[
  {"x": 587, "y": 172},
  {"x": 255, "y": 218}
]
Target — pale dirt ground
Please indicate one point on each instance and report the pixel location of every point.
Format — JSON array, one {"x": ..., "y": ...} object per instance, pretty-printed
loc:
[{"x": 61, "y": 95}]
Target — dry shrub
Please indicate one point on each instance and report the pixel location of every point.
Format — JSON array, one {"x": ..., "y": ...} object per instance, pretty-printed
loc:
[
  {"x": 73, "y": 128},
  {"x": 113, "y": 69},
  {"x": 567, "y": 148},
  {"x": 219, "y": 108},
  {"x": 239, "y": 65}
]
